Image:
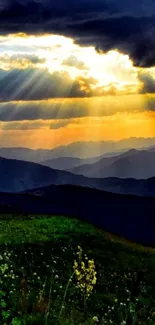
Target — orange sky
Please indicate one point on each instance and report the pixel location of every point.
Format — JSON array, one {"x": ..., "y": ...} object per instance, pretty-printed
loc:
[
  {"x": 115, "y": 127},
  {"x": 116, "y": 98}
]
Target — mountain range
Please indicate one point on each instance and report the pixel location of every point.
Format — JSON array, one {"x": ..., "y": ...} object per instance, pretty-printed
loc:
[
  {"x": 16, "y": 176},
  {"x": 77, "y": 150},
  {"x": 131, "y": 164},
  {"x": 123, "y": 205},
  {"x": 67, "y": 163}
]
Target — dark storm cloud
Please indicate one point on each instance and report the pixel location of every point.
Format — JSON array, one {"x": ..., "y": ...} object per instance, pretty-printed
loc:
[
  {"x": 148, "y": 88},
  {"x": 128, "y": 26},
  {"x": 148, "y": 83},
  {"x": 38, "y": 84}
]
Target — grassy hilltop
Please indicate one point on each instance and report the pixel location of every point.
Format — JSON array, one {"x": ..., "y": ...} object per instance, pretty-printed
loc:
[{"x": 37, "y": 284}]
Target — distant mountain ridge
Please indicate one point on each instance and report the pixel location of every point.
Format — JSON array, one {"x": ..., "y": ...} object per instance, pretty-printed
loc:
[
  {"x": 16, "y": 176},
  {"x": 131, "y": 164},
  {"x": 77, "y": 150},
  {"x": 67, "y": 163}
]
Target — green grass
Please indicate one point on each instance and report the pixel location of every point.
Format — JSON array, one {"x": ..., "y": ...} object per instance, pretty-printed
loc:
[
  {"x": 40, "y": 228},
  {"x": 36, "y": 261}
]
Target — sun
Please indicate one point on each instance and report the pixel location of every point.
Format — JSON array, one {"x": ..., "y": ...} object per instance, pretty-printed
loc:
[{"x": 108, "y": 68}]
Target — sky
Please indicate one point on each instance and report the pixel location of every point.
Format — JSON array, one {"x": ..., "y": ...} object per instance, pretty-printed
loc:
[{"x": 76, "y": 70}]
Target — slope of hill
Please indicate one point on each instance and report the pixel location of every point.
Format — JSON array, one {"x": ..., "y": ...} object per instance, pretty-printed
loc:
[
  {"x": 140, "y": 187},
  {"x": 129, "y": 186},
  {"x": 131, "y": 164},
  {"x": 16, "y": 175},
  {"x": 19, "y": 175},
  {"x": 38, "y": 244},
  {"x": 129, "y": 216}
]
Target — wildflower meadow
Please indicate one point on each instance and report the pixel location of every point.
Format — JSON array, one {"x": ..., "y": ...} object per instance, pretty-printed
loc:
[{"x": 59, "y": 271}]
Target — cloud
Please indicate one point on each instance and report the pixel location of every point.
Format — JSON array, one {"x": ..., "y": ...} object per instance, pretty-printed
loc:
[
  {"x": 59, "y": 124},
  {"x": 55, "y": 125},
  {"x": 123, "y": 25},
  {"x": 29, "y": 57},
  {"x": 147, "y": 87},
  {"x": 72, "y": 61},
  {"x": 20, "y": 61},
  {"x": 148, "y": 83},
  {"x": 37, "y": 124},
  {"x": 65, "y": 109},
  {"x": 23, "y": 126},
  {"x": 42, "y": 110},
  {"x": 38, "y": 84}
]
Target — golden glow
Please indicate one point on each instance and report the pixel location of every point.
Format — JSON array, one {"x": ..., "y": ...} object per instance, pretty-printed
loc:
[
  {"x": 110, "y": 68},
  {"x": 101, "y": 117},
  {"x": 113, "y": 127}
]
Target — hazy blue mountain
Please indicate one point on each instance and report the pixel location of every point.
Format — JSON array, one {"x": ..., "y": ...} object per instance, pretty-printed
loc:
[
  {"x": 19, "y": 175},
  {"x": 96, "y": 149},
  {"x": 67, "y": 163},
  {"x": 94, "y": 167},
  {"x": 16, "y": 175},
  {"x": 63, "y": 163},
  {"x": 131, "y": 164},
  {"x": 77, "y": 150},
  {"x": 24, "y": 154},
  {"x": 131, "y": 217},
  {"x": 152, "y": 149}
]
